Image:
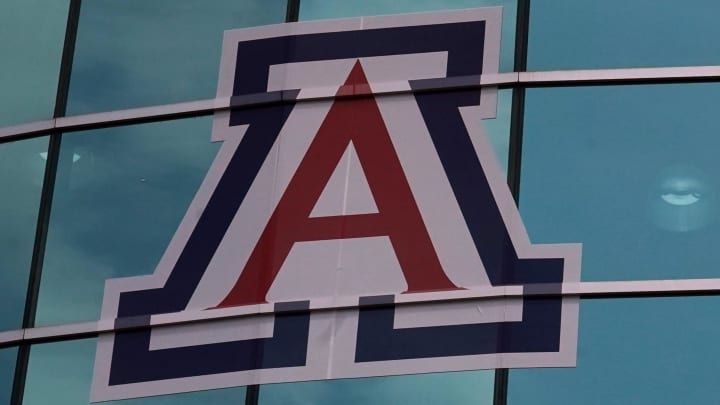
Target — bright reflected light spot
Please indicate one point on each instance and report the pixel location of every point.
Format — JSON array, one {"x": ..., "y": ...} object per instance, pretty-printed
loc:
[
  {"x": 43, "y": 156},
  {"x": 680, "y": 199}
]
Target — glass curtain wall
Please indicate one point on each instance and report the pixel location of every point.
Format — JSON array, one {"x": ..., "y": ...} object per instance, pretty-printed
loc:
[{"x": 628, "y": 170}]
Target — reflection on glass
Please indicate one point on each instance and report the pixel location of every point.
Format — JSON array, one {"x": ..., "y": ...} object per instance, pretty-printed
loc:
[
  {"x": 323, "y": 9},
  {"x": 474, "y": 387},
  {"x": 7, "y": 371},
  {"x": 498, "y": 129},
  {"x": 120, "y": 194},
  {"x": 682, "y": 199},
  {"x": 643, "y": 351},
  {"x": 21, "y": 176},
  {"x": 117, "y": 63},
  {"x": 32, "y": 35},
  {"x": 629, "y": 172},
  {"x": 61, "y": 374},
  {"x": 591, "y": 34}
]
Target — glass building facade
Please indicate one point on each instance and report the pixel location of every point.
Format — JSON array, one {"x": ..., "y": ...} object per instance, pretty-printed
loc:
[{"x": 604, "y": 126}]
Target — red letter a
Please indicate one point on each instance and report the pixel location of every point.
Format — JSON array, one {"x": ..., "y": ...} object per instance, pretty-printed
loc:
[{"x": 356, "y": 120}]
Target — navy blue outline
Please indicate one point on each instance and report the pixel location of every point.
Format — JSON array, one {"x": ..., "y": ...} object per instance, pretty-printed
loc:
[
  {"x": 132, "y": 362},
  {"x": 377, "y": 340},
  {"x": 540, "y": 329}
]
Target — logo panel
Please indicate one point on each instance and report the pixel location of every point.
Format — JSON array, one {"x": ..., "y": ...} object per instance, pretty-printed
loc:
[{"x": 341, "y": 232}]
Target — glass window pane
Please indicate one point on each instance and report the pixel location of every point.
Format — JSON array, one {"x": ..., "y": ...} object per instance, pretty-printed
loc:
[
  {"x": 498, "y": 128},
  {"x": 633, "y": 351},
  {"x": 7, "y": 371},
  {"x": 590, "y": 34},
  {"x": 32, "y": 32},
  {"x": 61, "y": 373},
  {"x": 22, "y": 167},
  {"x": 137, "y": 53},
  {"x": 323, "y": 9},
  {"x": 630, "y": 172},
  {"x": 121, "y": 193},
  {"x": 449, "y": 388}
]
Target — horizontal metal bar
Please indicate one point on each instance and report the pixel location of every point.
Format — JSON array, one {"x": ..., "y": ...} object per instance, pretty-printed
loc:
[
  {"x": 616, "y": 76},
  {"x": 71, "y": 329},
  {"x": 135, "y": 114},
  {"x": 644, "y": 287},
  {"x": 505, "y": 80},
  {"x": 500, "y": 79},
  {"x": 27, "y": 130},
  {"x": 11, "y": 337},
  {"x": 586, "y": 290}
]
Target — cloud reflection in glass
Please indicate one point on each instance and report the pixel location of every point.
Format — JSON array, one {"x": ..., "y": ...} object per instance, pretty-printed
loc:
[{"x": 682, "y": 199}]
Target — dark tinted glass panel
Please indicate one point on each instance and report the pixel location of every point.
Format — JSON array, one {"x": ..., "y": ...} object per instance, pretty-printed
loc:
[
  {"x": 121, "y": 193},
  {"x": 137, "y": 53},
  {"x": 7, "y": 370},
  {"x": 22, "y": 166},
  {"x": 61, "y": 374},
  {"x": 449, "y": 388},
  {"x": 323, "y": 9},
  {"x": 630, "y": 172},
  {"x": 32, "y": 33},
  {"x": 634, "y": 351},
  {"x": 586, "y": 34}
]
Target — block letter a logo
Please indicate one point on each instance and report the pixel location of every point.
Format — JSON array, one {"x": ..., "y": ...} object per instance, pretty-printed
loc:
[
  {"x": 353, "y": 123},
  {"x": 354, "y": 223}
]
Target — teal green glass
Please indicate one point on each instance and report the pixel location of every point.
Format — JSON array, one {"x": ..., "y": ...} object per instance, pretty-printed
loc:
[
  {"x": 641, "y": 351},
  {"x": 474, "y": 387},
  {"x": 22, "y": 167},
  {"x": 120, "y": 195},
  {"x": 7, "y": 371},
  {"x": 323, "y": 9},
  {"x": 628, "y": 171},
  {"x": 590, "y": 34},
  {"x": 61, "y": 373},
  {"x": 33, "y": 33},
  {"x": 136, "y": 53}
]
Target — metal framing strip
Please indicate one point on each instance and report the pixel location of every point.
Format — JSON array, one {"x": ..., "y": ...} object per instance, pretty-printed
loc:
[
  {"x": 252, "y": 392},
  {"x": 517, "y": 120},
  {"x": 690, "y": 74},
  {"x": 620, "y": 76},
  {"x": 292, "y": 13},
  {"x": 586, "y": 290},
  {"x": 43, "y": 219}
]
